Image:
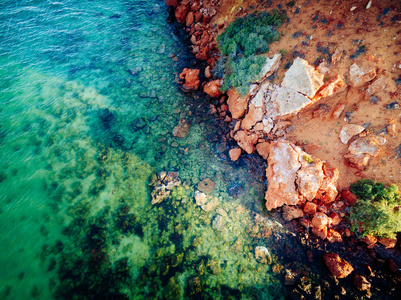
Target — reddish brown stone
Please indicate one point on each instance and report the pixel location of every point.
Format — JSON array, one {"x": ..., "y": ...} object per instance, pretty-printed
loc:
[
  {"x": 212, "y": 88},
  {"x": 338, "y": 267},
  {"x": 387, "y": 242},
  {"x": 291, "y": 212},
  {"x": 310, "y": 208},
  {"x": 320, "y": 232},
  {"x": 361, "y": 283},
  {"x": 173, "y": 3},
  {"x": 191, "y": 78},
  {"x": 334, "y": 236},
  {"x": 189, "y": 19},
  {"x": 235, "y": 154},
  {"x": 320, "y": 219},
  {"x": 349, "y": 197},
  {"x": 198, "y": 16},
  {"x": 203, "y": 53},
  {"x": 263, "y": 149},
  {"x": 335, "y": 219},
  {"x": 311, "y": 148},
  {"x": 370, "y": 241},
  {"x": 206, "y": 186},
  {"x": 246, "y": 140},
  {"x": 181, "y": 13}
]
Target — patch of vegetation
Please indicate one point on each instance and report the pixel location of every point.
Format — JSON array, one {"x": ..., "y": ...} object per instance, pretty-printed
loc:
[
  {"x": 377, "y": 211},
  {"x": 239, "y": 44},
  {"x": 283, "y": 52}
]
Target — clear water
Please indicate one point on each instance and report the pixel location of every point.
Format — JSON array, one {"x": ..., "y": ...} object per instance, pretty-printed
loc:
[{"x": 88, "y": 102}]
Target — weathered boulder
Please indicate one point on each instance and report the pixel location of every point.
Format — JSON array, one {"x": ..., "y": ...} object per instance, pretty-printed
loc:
[
  {"x": 270, "y": 67},
  {"x": 338, "y": 267},
  {"x": 292, "y": 212},
  {"x": 212, "y": 88},
  {"x": 320, "y": 220},
  {"x": 182, "y": 129},
  {"x": 361, "y": 283},
  {"x": 262, "y": 255},
  {"x": 235, "y": 153},
  {"x": 358, "y": 76},
  {"x": 255, "y": 114},
  {"x": 303, "y": 78},
  {"x": 387, "y": 242},
  {"x": 237, "y": 105},
  {"x": 362, "y": 149},
  {"x": 320, "y": 232},
  {"x": 162, "y": 185},
  {"x": 263, "y": 149},
  {"x": 350, "y": 130},
  {"x": 377, "y": 85},
  {"x": 191, "y": 78},
  {"x": 310, "y": 208},
  {"x": 189, "y": 19},
  {"x": 287, "y": 101},
  {"x": 338, "y": 110},
  {"x": 181, "y": 13},
  {"x": 246, "y": 140},
  {"x": 334, "y": 236},
  {"x": 283, "y": 165},
  {"x": 294, "y": 177},
  {"x": 173, "y": 3},
  {"x": 370, "y": 241}
]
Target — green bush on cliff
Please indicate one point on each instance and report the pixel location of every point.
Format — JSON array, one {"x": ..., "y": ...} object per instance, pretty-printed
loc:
[
  {"x": 377, "y": 210},
  {"x": 239, "y": 43}
]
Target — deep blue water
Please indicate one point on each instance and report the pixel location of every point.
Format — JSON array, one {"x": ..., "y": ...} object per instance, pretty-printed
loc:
[{"x": 88, "y": 102}]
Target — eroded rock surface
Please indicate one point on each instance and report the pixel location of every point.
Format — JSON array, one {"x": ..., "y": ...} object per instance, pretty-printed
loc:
[
  {"x": 338, "y": 267},
  {"x": 303, "y": 78},
  {"x": 191, "y": 79},
  {"x": 362, "y": 149},
  {"x": 294, "y": 177},
  {"x": 358, "y": 76}
]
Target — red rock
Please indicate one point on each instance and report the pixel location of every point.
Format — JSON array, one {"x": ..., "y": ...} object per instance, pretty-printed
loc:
[
  {"x": 181, "y": 13},
  {"x": 305, "y": 222},
  {"x": 236, "y": 104},
  {"x": 291, "y": 212},
  {"x": 349, "y": 197},
  {"x": 212, "y": 88},
  {"x": 203, "y": 53},
  {"x": 208, "y": 73},
  {"x": 173, "y": 3},
  {"x": 320, "y": 220},
  {"x": 182, "y": 129},
  {"x": 320, "y": 232},
  {"x": 361, "y": 283},
  {"x": 370, "y": 241},
  {"x": 331, "y": 87},
  {"x": 263, "y": 149},
  {"x": 189, "y": 19},
  {"x": 311, "y": 148},
  {"x": 335, "y": 219},
  {"x": 388, "y": 243},
  {"x": 191, "y": 78},
  {"x": 334, "y": 236},
  {"x": 198, "y": 16},
  {"x": 338, "y": 205},
  {"x": 255, "y": 114},
  {"x": 310, "y": 208},
  {"x": 235, "y": 154},
  {"x": 337, "y": 266},
  {"x": 246, "y": 140},
  {"x": 347, "y": 232}
]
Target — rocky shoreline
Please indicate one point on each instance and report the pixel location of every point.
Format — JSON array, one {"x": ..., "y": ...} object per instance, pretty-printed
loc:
[{"x": 302, "y": 187}]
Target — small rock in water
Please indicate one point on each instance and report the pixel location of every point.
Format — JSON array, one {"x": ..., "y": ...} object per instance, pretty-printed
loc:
[
  {"x": 262, "y": 255},
  {"x": 206, "y": 186},
  {"x": 162, "y": 48},
  {"x": 162, "y": 185},
  {"x": 218, "y": 223},
  {"x": 200, "y": 198}
]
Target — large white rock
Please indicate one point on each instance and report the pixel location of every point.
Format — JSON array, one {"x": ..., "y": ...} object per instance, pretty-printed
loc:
[
  {"x": 303, "y": 78},
  {"x": 350, "y": 130},
  {"x": 288, "y": 101}
]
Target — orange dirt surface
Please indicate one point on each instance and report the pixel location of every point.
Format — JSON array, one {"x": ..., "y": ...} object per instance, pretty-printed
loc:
[{"x": 314, "y": 31}]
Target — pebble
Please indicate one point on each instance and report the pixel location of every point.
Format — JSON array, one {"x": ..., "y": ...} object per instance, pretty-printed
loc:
[{"x": 218, "y": 223}]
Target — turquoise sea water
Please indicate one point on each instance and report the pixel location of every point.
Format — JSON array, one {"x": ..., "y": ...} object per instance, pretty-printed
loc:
[{"x": 88, "y": 103}]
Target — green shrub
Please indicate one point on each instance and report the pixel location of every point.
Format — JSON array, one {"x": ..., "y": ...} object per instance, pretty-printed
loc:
[
  {"x": 239, "y": 43},
  {"x": 376, "y": 211}
]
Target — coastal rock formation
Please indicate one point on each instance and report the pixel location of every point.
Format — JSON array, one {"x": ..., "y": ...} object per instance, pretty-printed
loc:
[
  {"x": 338, "y": 267},
  {"x": 294, "y": 177},
  {"x": 191, "y": 79},
  {"x": 303, "y": 78},
  {"x": 358, "y": 76},
  {"x": 163, "y": 184}
]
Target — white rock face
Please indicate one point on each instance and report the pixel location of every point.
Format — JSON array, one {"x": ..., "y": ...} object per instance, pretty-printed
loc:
[
  {"x": 262, "y": 255},
  {"x": 270, "y": 67},
  {"x": 289, "y": 101},
  {"x": 303, "y": 78},
  {"x": 358, "y": 76},
  {"x": 350, "y": 130}
]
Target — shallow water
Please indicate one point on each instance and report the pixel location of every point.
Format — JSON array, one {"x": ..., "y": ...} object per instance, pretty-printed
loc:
[{"x": 88, "y": 103}]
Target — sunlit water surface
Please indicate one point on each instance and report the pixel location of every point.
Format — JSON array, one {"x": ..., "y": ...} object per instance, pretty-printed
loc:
[{"x": 88, "y": 103}]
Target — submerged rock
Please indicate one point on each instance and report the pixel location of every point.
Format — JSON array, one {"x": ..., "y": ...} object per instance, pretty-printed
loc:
[
  {"x": 262, "y": 255},
  {"x": 200, "y": 198},
  {"x": 218, "y": 223},
  {"x": 182, "y": 129},
  {"x": 163, "y": 184},
  {"x": 338, "y": 267},
  {"x": 206, "y": 186},
  {"x": 291, "y": 212}
]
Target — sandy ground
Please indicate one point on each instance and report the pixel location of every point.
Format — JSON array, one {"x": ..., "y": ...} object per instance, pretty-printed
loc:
[{"x": 314, "y": 31}]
